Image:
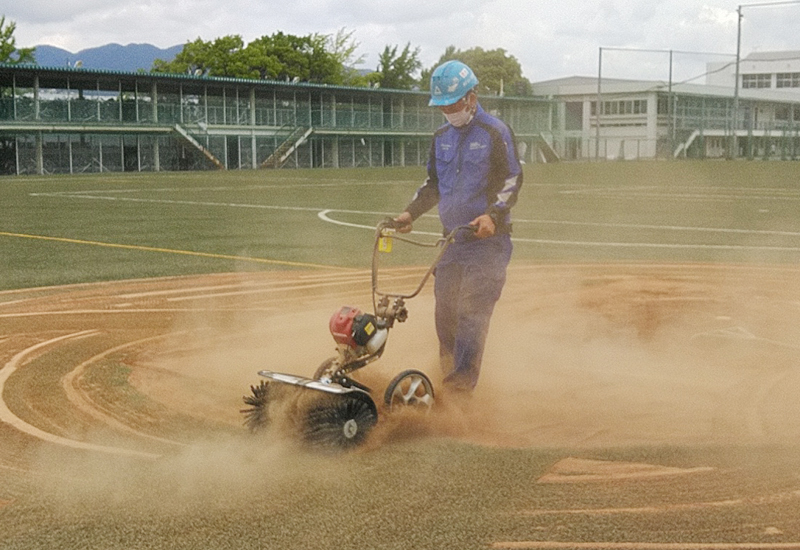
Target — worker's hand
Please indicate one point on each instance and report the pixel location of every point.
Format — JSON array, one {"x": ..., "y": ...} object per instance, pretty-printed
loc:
[
  {"x": 484, "y": 226},
  {"x": 403, "y": 223}
]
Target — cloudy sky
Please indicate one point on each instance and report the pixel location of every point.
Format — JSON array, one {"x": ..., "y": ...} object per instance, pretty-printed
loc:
[{"x": 550, "y": 38}]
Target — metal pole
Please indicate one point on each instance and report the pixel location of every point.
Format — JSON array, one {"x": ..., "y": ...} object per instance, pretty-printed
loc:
[
  {"x": 734, "y": 144},
  {"x": 599, "y": 106},
  {"x": 671, "y": 112}
]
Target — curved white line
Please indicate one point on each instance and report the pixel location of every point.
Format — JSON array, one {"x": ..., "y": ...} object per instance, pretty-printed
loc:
[
  {"x": 323, "y": 215},
  {"x": 10, "y": 418}
]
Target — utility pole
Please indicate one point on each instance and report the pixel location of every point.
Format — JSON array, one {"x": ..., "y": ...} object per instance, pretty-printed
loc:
[
  {"x": 599, "y": 106},
  {"x": 735, "y": 123},
  {"x": 734, "y": 149}
]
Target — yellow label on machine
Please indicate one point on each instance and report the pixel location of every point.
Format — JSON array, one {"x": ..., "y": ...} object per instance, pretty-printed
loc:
[{"x": 385, "y": 244}]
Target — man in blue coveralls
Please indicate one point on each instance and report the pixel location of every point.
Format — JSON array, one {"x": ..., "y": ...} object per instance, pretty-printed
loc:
[{"x": 474, "y": 176}]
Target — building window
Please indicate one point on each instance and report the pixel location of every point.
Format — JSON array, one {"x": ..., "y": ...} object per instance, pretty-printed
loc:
[
  {"x": 788, "y": 80},
  {"x": 624, "y": 107},
  {"x": 757, "y": 81}
]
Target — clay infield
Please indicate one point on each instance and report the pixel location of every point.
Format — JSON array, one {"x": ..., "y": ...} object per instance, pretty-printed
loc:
[{"x": 621, "y": 406}]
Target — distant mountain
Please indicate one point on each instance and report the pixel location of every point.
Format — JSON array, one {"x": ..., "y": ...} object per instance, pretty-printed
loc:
[{"x": 114, "y": 57}]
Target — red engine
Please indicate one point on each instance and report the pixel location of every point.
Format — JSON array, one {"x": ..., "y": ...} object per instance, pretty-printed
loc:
[
  {"x": 341, "y": 325},
  {"x": 352, "y": 327}
]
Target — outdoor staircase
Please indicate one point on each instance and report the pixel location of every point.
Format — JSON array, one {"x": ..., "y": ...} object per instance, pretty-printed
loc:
[
  {"x": 683, "y": 147},
  {"x": 197, "y": 145},
  {"x": 296, "y": 138},
  {"x": 545, "y": 150}
]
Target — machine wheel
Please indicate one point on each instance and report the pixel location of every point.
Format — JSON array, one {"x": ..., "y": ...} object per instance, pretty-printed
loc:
[
  {"x": 410, "y": 388},
  {"x": 323, "y": 367},
  {"x": 340, "y": 421},
  {"x": 256, "y": 417}
]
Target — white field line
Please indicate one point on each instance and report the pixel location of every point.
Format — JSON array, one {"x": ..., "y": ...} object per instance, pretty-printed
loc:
[
  {"x": 10, "y": 418},
  {"x": 220, "y": 188},
  {"x": 688, "y": 197},
  {"x": 677, "y": 246},
  {"x": 303, "y": 286},
  {"x": 688, "y": 193},
  {"x": 324, "y": 215},
  {"x": 127, "y": 311},
  {"x": 184, "y": 290},
  {"x": 247, "y": 286},
  {"x": 684, "y": 228}
]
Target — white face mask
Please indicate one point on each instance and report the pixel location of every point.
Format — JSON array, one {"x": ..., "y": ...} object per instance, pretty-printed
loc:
[{"x": 460, "y": 118}]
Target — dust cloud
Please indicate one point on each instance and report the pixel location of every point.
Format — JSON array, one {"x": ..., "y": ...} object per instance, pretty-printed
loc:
[
  {"x": 577, "y": 357},
  {"x": 580, "y": 356}
]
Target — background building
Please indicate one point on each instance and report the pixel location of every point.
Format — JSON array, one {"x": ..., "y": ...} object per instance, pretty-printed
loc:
[
  {"x": 641, "y": 119},
  {"x": 759, "y": 70},
  {"x": 67, "y": 120},
  {"x": 70, "y": 120}
]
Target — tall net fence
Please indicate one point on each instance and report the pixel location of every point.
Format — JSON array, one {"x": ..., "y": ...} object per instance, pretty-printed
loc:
[{"x": 674, "y": 104}]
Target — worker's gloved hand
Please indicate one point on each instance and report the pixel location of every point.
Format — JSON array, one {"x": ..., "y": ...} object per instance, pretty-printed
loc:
[
  {"x": 484, "y": 226},
  {"x": 403, "y": 222}
]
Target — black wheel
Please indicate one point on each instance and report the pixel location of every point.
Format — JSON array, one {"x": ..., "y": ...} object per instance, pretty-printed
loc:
[
  {"x": 410, "y": 388},
  {"x": 323, "y": 367},
  {"x": 340, "y": 421},
  {"x": 256, "y": 417}
]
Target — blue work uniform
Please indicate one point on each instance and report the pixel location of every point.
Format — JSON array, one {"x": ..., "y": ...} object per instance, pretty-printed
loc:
[{"x": 472, "y": 170}]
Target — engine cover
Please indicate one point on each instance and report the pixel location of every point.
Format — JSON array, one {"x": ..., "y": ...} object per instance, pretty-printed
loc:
[
  {"x": 341, "y": 325},
  {"x": 353, "y": 328}
]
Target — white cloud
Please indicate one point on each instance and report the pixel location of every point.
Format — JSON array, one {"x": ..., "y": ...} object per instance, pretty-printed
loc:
[{"x": 551, "y": 39}]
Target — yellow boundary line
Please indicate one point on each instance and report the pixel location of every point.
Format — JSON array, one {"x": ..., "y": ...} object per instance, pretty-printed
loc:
[{"x": 172, "y": 251}]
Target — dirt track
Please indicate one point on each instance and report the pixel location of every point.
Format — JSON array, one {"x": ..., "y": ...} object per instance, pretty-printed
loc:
[{"x": 621, "y": 406}]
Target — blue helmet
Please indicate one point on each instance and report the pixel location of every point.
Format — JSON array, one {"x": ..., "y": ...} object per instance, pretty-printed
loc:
[{"x": 450, "y": 82}]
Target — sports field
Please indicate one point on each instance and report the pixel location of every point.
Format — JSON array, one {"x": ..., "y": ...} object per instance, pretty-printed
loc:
[
  {"x": 58, "y": 230},
  {"x": 639, "y": 388}
]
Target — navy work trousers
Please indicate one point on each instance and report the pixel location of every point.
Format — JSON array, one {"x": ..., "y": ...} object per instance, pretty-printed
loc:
[{"x": 466, "y": 293}]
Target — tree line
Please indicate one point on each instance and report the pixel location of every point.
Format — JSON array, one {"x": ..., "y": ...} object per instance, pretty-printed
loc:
[{"x": 316, "y": 58}]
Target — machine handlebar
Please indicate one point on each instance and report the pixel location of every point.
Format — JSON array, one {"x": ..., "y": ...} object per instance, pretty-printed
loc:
[{"x": 387, "y": 228}]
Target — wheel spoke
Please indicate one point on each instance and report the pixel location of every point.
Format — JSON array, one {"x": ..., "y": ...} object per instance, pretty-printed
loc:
[
  {"x": 426, "y": 399},
  {"x": 412, "y": 388},
  {"x": 409, "y": 389}
]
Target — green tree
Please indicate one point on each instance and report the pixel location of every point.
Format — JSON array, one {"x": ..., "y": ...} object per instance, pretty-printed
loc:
[
  {"x": 397, "y": 71},
  {"x": 275, "y": 57},
  {"x": 343, "y": 47},
  {"x": 222, "y": 57},
  {"x": 497, "y": 71},
  {"x": 288, "y": 57},
  {"x": 8, "y": 49}
]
